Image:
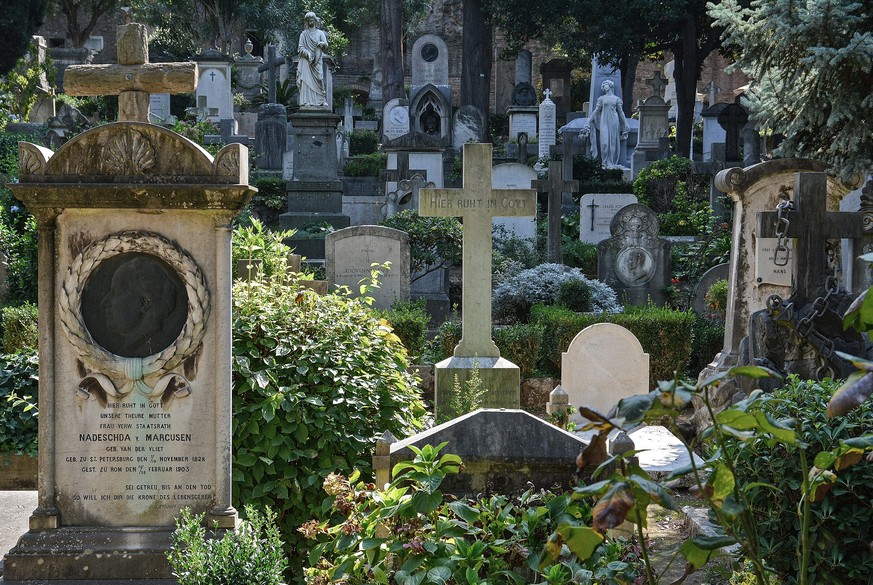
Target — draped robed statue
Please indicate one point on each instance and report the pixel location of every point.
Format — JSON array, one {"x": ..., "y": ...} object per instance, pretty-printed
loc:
[
  {"x": 611, "y": 125},
  {"x": 310, "y": 70}
]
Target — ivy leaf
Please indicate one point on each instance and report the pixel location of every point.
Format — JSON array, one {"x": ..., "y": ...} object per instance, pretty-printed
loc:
[
  {"x": 581, "y": 540},
  {"x": 698, "y": 550}
]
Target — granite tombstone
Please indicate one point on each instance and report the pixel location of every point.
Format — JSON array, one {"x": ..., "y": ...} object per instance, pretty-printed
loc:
[{"x": 635, "y": 261}]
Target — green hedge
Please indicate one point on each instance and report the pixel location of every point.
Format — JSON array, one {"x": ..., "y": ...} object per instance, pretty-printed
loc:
[
  {"x": 666, "y": 335},
  {"x": 518, "y": 343}
]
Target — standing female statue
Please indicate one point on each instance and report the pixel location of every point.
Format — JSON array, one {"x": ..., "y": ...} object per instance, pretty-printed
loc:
[
  {"x": 608, "y": 118},
  {"x": 310, "y": 72}
]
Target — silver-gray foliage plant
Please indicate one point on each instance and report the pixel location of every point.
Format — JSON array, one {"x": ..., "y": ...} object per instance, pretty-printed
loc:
[{"x": 541, "y": 284}]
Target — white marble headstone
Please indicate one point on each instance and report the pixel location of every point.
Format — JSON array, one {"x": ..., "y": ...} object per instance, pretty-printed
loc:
[
  {"x": 604, "y": 363},
  {"x": 548, "y": 127},
  {"x": 159, "y": 108},
  {"x": 395, "y": 118},
  {"x": 602, "y": 207}
]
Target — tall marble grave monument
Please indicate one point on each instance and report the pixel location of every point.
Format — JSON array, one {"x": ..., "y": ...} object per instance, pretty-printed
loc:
[
  {"x": 477, "y": 203},
  {"x": 548, "y": 135},
  {"x": 135, "y": 336},
  {"x": 523, "y": 108},
  {"x": 430, "y": 95}
]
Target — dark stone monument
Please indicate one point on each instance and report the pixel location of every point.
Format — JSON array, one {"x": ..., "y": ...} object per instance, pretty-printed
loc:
[{"x": 635, "y": 262}]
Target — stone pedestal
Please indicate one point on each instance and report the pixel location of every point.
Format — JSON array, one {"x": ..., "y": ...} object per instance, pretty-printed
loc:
[
  {"x": 314, "y": 191},
  {"x": 500, "y": 377}
]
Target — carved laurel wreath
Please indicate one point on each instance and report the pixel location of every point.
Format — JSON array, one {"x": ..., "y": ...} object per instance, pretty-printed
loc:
[{"x": 98, "y": 358}]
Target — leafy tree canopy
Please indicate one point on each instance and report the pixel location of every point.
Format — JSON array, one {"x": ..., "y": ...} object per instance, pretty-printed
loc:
[
  {"x": 186, "y": 26},
  {"x": 811, "y": 65},
  {"x": 82, "y": 16},
  {"x": 619, "y": 32},
  {"x": 19, "y": 19}
]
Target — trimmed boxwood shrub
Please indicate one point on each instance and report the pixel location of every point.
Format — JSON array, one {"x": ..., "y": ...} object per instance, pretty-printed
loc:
[
  {"x": 841, "y": 526},
  {"x": 666, "y": 335},
  {"x": 315, "y": 380},
  {"x": 363, "y": 142},
  {"x": 519, "y": 343}
]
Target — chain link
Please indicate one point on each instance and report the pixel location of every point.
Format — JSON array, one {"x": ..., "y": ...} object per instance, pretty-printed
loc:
[{"x": 782, "y": 224}]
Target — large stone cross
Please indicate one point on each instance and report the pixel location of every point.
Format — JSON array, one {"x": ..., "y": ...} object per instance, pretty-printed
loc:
[
  {"x": 555, "y": 185},
  {"x": 133, "y": 79},
  {"x": 811, "y": 224},
  {"x": 733, "y": 118},
  {"x": 476, "y": 204},
  {"x": 271, "y": 64}
]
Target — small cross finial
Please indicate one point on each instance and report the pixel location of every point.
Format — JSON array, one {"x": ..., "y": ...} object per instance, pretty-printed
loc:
[
  {"x": 547, "y": 93},
  {"x": 133, "y": 78},
  {"x": 658, "y": 82}
]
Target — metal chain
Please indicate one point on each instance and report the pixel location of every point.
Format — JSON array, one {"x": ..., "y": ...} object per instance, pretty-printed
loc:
[
  {"x": 806, "y": 330},
  {"x": 782, "y": 224}
]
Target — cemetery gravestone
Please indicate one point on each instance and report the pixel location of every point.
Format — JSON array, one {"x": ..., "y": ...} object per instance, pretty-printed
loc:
[
  {"x": 214, "y": 84},
  {"x": 523, "y": 109},
  {"x": 700, "y": 304},
  {"x": 603, "y": 364},
  {"x": 430, "y": 66},
  {"x": 733, "y": 119},
  {"x": 515, "y": 176},
  {"x": 395, "y": 119},
  {"x": 599, "y": 73},
  {"x": 271, "y": 136},
  {"x": 713, "y": 132},
  {"x": 596, "y": 213},
  {"x": 130, "y": 78},
  {"x": 248, "y": 76},
  {"x": 271, "y": 67},
  {"x": 635, "y": 262},
  {"x": 804, "y": 334},
  {"x": 350, "y": 253},
  {"x": 477, "y": 203},
  {"x": 135, "y": 345},
  {"x": 468, "y": 126},
  {"x": 548, "y": 125},
  {"x": 159, "y": 108}
]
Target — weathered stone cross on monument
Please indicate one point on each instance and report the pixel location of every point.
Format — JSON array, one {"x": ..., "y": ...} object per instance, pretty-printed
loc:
[
  {"x": 811, "y": 224},
  {"x": 271, "y": 64},
  {"x": 477, "y": 204},
  {"x": 658, "y": 82},
  {"x": 133, "y": 79},
  {"x": 555, "y": 185}
]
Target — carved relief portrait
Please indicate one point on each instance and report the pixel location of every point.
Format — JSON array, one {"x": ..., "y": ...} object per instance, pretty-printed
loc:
[{"x": 134, "y": 306}]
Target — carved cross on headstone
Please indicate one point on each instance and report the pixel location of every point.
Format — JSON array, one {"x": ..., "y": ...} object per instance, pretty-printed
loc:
[
  {"x": 555, "y": 185},
  {"x": 271, "y": 64},
  {"x": 133, "y": 79},
  {"x": 811, "y": 224},
  {"x": 733, "y": 118},
  {"x": 477, "y": 203},
  {"x": 658, "y": 83},
  {"x": 547, "y": 93}
]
